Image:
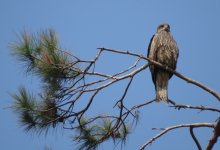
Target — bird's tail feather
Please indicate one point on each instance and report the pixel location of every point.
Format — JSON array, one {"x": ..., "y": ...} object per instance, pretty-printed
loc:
[
  {"x": 161, "y": 94},
  {"x": 161, "y": 87}
]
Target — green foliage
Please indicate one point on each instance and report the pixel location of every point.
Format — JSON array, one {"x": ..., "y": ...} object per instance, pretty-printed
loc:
[
  {"x": 25, "y": 49},
  {"x": 124, "y": 131},
  {"x": 42, "y": 56},
  {"x": 24, "y": 101},
  {"x": 91, "y": 135},
  {"x": 59, "y": 72},
  {"x": 32, "y": 114},
  {"x": 24, "y": 106}
]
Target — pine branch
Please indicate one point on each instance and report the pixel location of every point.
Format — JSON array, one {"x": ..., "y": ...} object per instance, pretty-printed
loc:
[{"x": 67, "y": 84}]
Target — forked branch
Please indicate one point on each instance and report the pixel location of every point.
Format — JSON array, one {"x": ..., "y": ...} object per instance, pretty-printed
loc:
[
  {"x": 215, "y": 136},
  {"x": 194, "y": 138},
  {"x": 194, "y": 125},
  {"x": 187, "y": 79},
  {"x": 74, "y": 83}
]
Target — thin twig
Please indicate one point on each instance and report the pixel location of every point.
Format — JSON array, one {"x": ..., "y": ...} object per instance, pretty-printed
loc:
[
  {"x": 122, "y": 52},
  {"x": 141, "y": 105},
  {"x": 194, "y": 138},
  {"x": 121, "y": 101}
]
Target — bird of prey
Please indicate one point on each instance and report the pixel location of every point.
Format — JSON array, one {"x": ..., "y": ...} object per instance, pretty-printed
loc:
[{"x": 163, "y": 49}]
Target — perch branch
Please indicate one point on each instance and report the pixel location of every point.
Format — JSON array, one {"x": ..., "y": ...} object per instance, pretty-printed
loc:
[{"x": 187, "y": 79}]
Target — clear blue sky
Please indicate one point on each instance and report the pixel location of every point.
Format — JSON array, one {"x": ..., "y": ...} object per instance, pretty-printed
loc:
[{"x": 84, "y": 25}]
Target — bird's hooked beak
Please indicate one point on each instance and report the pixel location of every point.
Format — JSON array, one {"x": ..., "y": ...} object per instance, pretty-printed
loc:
[{"x": 167, "y": 28}]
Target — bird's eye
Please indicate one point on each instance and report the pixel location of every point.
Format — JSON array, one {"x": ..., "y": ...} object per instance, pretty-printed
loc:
[{"x": 161, "y": 26}]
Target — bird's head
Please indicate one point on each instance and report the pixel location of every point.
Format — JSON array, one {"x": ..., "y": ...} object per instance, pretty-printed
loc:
[{"x": 163, "y": 27}]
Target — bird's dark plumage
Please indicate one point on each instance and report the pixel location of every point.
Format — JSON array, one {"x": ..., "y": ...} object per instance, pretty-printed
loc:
[{"x": 163, "y": 49}]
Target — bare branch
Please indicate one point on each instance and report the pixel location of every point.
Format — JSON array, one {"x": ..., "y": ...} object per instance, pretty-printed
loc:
[
  {"x": 195, "y": 125},
  {"x": 121, "y": 104},
  {"x": 119, "y": 78},
  {"x": 202, "y": 108},
  {"x": 189, "y": 80},
  {"x": 68, "y": 97},
  {"x": 194, "y": 138},
  {"x": 141, "y": 105},
  {"x": 122, "y": 52},
  {"x": 215, "y": 136}
]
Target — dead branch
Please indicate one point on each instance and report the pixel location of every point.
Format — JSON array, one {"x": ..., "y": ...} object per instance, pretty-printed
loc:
[
  {"x": 187, "y": 79},
  {"x": 194, "y": 125},
  {"x": 72, "y": 94},
  {"x": 215, "y": 136},
  {"x": 105, "y": 80},
  {"x": 202, "y": 108},
  {"x": 194, "y": 138}
]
